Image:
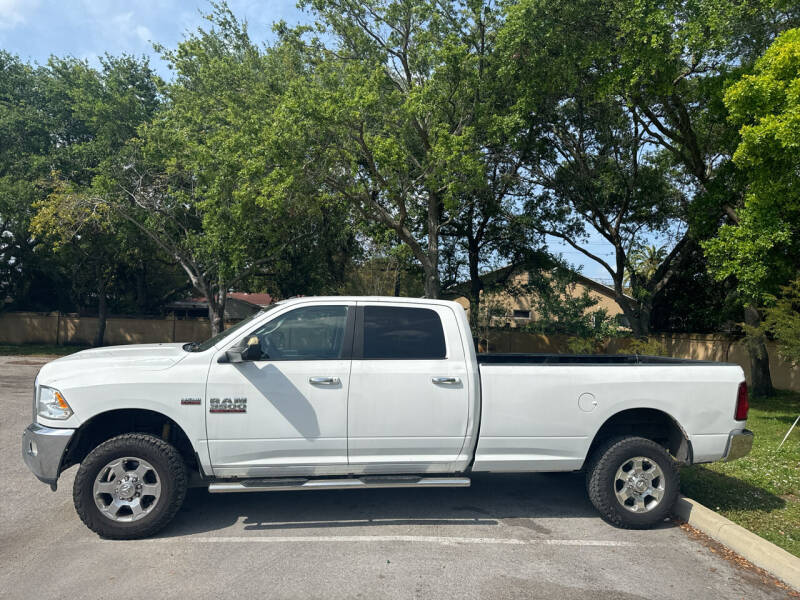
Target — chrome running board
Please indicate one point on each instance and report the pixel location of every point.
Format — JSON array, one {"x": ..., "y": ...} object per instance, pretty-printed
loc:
[{"x": 364, "y": 482}]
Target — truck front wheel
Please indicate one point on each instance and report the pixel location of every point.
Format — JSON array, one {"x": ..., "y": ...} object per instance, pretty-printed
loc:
[
  {"x": 130, "y": 486},
  {"x": 633, "y": 482}
]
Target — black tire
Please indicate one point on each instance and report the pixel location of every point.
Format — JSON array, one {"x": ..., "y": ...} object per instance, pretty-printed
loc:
[
  {"x": 169, "y": 467},
  {"x": 601, "y": 481}
]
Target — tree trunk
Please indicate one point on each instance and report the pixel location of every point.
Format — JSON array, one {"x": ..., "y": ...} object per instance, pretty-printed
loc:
[
  {"x": 637, "y": 314},
  {"x": 102, "y": 315},
  {"x": 431, "y": 265},
  {"x": 760, "y": 377},
  {"x": 432, "y": 288},
  {"x": 475, "y": 285},
  {"x": 216, "y": 312},
  {"x": 474, "y": 310},
  {"x": 642, "y": 316},
  {"x": 141, "y": 288}
]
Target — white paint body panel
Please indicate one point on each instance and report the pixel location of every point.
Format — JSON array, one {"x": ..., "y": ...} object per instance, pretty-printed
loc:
[
  {"x": 532, "y": 420},
  {"x": 291, "y": 426},
  {"x": 397, "y": 415},
  {"x": 145, "y": 376},
  {"x": 289, "y": 421},
  {"x": 386, "y": 416}
]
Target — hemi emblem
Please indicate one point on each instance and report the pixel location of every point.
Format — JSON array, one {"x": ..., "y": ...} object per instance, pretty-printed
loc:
[
  {"x": 190, "y": 401},
  {"x": 228, "y": 405}
]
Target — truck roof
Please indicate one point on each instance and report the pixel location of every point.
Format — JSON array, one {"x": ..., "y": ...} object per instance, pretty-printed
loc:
[{"x": 404, "y": 300}]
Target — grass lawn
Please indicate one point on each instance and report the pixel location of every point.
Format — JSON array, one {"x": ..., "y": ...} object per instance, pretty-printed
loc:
[
  {"x": 762, "y": 490},
  {"x": 38, "y": 349}
]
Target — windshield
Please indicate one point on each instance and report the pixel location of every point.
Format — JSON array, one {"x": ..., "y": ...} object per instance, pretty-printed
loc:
[{"x": 212, "y": 341}]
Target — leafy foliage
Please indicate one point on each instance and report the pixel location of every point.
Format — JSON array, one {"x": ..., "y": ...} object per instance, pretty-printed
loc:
[
  {"x": 25, "y": 132},
  {"x": 782, "y": 320},
  {"x": 197, "y": 178},
  {"x": 762, "y": 250},
  {"x": 647, "y": 346},
  {"x": 407, "y": 146},
  {"x": 559, "y": 309},
  {"x": 98, "y": 110},
  {"x": 408, "y": 132},
  {"x": 62, "y": 122}
]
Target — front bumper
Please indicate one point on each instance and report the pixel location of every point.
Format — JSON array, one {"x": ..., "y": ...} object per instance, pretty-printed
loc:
[
  {"x": 739, "y": 445},
  {"x": 43, "y": 449}
]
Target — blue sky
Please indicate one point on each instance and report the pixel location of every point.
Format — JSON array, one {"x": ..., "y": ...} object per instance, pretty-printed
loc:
[{"x": 36, "y": 29}]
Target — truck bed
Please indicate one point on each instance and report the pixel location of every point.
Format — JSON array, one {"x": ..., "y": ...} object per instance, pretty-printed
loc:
[
  {"x": 588, "y": 359},
  {"x": 540, "y": 412}
]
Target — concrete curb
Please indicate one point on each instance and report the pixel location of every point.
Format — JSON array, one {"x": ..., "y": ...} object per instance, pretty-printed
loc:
[{"x": 756, "y": 549}]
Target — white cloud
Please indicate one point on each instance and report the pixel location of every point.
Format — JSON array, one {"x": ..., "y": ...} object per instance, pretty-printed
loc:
[
  {"x": 144, "y": 34},
  {"x": 15, "y": 12},
  {"x": 122, "y": 21}
]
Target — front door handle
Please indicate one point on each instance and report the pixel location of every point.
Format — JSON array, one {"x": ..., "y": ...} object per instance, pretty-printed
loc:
[
  {"x": 446, "y": 380},
  {"x": 323, "y": 380}
]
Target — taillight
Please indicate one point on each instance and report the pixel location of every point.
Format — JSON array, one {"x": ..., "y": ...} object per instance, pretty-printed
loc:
[{"x": 742, "y": 403}]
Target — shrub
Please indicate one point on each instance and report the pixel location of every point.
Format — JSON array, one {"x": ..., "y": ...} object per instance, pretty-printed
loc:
[{"x": 647, "y": 346}]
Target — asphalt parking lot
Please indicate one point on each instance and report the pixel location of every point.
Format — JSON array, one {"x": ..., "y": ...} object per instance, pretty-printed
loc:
[{"x": 533, "y": 536}]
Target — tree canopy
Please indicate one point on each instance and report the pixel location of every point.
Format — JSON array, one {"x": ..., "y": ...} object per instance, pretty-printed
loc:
[
  {"x": 413, "y": 147},
  {"x": 762, "y": 250}
]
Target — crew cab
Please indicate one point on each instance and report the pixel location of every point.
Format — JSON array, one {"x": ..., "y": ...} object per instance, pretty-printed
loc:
[{"x": 359, "y": 392}]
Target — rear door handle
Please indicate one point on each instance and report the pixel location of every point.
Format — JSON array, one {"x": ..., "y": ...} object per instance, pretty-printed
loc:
[
  {"x": 446, "y": 380},
  {"x": 323, "y": 380}
]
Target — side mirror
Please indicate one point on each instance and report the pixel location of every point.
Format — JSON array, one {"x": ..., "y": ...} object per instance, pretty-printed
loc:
[
  {"x": 250, "y": 352},
  {"x": 234, "y": 355}
]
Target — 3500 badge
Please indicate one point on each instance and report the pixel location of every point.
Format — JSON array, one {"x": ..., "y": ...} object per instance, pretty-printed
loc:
[{"x": 228, "y": 405}]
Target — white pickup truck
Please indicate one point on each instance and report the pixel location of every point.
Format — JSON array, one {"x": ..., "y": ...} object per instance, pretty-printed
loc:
[{"x": 351, "y": 393}]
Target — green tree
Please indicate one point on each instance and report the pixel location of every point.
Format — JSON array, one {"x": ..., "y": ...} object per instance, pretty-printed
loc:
[
  {"x": 559, "y": 310},
  {"x": 25, "y": 126},
  {"x": 65, "y": 118},
  {"x": 383, "y": 268},
  {"x": 761, "y": 250},
  {"x": 694, "y": 302},
  {"x": 95, "y": 113},
  {"x": 391, "y": 117},
  {"x": 645, "y": 260},
  {"x": 668, "y": 64},
  {"x": 197, "y": 179},
  {"x": 483, "y": 232},
  {"x": 596, "y": 176},
  {"x": 783, "y": 321}
]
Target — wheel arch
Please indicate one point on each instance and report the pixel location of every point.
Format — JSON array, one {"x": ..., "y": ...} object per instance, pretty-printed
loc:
[
  {"x": 650, "y": 423},
  {"x": 106, "y": 425}
]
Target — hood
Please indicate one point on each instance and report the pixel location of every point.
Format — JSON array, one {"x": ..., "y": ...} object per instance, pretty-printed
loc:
[{"x": 151, "y": 357}]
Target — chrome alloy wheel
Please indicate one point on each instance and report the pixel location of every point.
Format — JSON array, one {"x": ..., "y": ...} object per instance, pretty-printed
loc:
[
  {"x": 126, "y": 489},
  {"x": 639, "y": 484}
]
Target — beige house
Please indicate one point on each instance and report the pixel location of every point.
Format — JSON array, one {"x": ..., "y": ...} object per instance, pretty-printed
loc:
[{"x": 513, "y": 306}]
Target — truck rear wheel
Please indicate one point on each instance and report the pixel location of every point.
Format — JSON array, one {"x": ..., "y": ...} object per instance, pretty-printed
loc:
[
  {"x": 633, "y": 482},
  {"x": 130, "y": 486}
]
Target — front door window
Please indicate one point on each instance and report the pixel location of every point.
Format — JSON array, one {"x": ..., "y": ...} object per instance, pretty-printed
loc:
[{"x": 310, "y": 333}]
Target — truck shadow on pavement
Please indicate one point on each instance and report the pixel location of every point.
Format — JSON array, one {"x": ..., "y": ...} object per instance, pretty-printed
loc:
[{"x": 491, "y": 501}]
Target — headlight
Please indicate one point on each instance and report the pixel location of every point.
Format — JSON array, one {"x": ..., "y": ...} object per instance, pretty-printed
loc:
[
  {"x": 35, "y": 397},
  {"x": 51, "y": 404}
]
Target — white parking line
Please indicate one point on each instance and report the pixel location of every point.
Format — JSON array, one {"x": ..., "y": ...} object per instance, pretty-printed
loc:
[{"x": 426, "y": 539}]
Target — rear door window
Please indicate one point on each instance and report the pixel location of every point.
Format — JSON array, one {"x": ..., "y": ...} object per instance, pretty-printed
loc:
[{"x": 401, "y": 333}]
